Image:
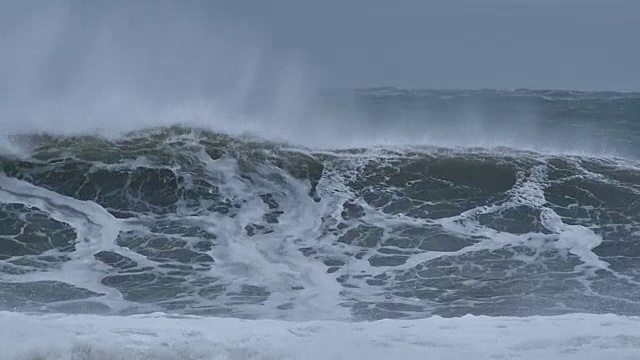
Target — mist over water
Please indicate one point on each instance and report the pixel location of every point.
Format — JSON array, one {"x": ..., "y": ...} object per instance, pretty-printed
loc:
[
  {"x": 114, "y": 66},
  {"x": 72, "y": 68}
]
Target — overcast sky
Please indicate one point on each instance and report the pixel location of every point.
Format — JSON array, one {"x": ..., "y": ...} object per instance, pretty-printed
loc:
[
  {"x": 343, "y": 43},
  {"x": 445, "y": 44}
]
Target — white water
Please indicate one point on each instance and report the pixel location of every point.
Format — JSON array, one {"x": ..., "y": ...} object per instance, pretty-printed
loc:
[
  {"x": 158, "y": 337},
  {"x": 272, "y": 260}
]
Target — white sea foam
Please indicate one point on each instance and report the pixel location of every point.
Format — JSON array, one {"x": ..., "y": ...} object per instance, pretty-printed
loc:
[
  {"x": 271, "y": 260},
  {"x": 160, "y": 337}
]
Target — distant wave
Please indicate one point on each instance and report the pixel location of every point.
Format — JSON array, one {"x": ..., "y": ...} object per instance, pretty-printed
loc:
[{"x": 546, "y": 121}]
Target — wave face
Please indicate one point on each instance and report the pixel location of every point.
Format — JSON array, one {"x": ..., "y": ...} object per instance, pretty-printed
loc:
[{"x": 187, "y": 221}]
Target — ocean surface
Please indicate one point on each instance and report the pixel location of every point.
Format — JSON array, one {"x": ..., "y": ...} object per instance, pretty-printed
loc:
[{"x": 440, "y": 210}]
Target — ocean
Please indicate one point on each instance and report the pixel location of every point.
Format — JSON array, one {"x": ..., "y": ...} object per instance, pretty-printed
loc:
[{"x": 411, "y": 224}]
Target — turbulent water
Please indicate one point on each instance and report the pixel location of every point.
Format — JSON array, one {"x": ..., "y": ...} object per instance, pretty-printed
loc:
[{"x": 189, "y": 221}]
